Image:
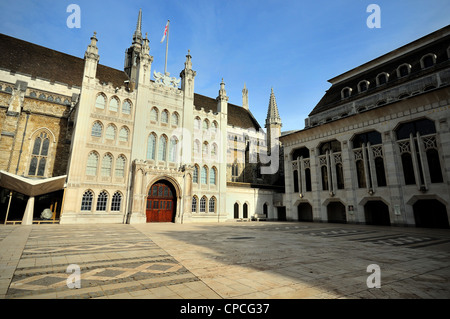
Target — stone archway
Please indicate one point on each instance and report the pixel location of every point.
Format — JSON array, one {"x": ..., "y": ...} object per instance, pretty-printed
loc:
[
  {"x": 336, "y": 213},
  {"x": 377, "y": 213},
  {"x": 430, "y": 213},
  {"x": 161, "y": 202}
]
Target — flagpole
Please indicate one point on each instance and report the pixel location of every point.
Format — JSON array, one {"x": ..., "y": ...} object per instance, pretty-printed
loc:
[{"x": 167, "y": 46}]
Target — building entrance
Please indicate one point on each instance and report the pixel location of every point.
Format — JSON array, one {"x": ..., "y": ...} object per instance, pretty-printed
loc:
[{"x": 161, "y": 203}]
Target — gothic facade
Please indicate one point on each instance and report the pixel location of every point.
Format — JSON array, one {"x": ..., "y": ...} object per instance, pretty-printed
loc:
[
  {"x": 98, "y": 145},
  {"x": 376, "y": 148}
]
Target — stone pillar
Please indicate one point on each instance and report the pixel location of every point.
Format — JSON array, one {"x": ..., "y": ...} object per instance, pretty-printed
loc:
[{"x": 29, "y": 211}]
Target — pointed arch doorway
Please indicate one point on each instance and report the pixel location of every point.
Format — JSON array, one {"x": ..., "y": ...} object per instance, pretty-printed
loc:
[{"x": 161, "y": 202}]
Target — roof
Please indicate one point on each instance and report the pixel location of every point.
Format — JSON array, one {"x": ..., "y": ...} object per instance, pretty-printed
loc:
[
  {"x": 237, "y": 115},
  {"x": 24, "y": 57},
  {"x": 31, "y": 187},
  {"x": 436, "y": 42}
]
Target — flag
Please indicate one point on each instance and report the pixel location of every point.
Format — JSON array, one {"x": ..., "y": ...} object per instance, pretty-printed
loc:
[{"x": 165, "y": 31}]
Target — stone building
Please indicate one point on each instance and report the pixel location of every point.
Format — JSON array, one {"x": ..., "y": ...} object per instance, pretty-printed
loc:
[
  {"x": 98, "y": 145},
  {"x": 376, "y": 148}
]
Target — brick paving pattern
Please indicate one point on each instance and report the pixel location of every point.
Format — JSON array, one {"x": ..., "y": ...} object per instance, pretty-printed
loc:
[{"x": 226, "y": 260}]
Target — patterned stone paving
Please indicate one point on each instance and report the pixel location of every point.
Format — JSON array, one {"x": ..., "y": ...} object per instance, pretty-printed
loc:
[
  {"x": 112, "y": 260},
  {"x": 227, "y": 260}
]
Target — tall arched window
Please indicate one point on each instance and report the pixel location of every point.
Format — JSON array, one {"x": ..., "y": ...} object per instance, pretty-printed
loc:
[
  {"x": 123, "y": 134},
  {"x": 212, "y": 176},
  {"x": 205, "y": 150},
  {"x": 204, "y": 175},
  {"x": 151, "y": 146},
  {"x": 174, "y": 119},
  {"x": 194, "y": 204},
  {"x": 195, "y": 174},
  {"x": 205, "y": 124},
  {"x": 114, "y": 104},
  {"x": 110, "y": 132},
  {"x": 162, "y": 148},
  {"x": 102, "y": 201},
  {"x": 154, "y": 114},
  {"x": 126, "y": 107},
  {"x": 97, "y": 128},
  {"x": 173, "y": 149},
  {"x": 86, "y": 201},
  {"x": 100, "y": 102},
  {"x": 212, "y": 205},
  {"x": 92, "y": 163},
  {"x": 203, "y": 204},
  {"x": 116, "y": 202},
  {"x": 39, "y": 155},
  {"x": 120, "y": 166},
  {"x": 197, "y": 122},
  {"x": 106, "y": 165},
  {"x": 165, "y": 117}
]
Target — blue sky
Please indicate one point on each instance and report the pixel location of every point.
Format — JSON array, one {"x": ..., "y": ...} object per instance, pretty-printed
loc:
[{"x": 293, "y": 46}]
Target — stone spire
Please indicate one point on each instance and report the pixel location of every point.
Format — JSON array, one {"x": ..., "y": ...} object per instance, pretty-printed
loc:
[
  {"x": 137, "y": 36},
  {"x": 245, "y": 97},
  {"x": 273, "y": 117}
]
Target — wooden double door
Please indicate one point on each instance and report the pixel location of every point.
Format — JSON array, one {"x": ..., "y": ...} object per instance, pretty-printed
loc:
[{"x": 161, "y": 203}]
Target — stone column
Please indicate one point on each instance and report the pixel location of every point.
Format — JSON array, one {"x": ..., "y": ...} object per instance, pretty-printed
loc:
[{"x": 29, "y": 211}]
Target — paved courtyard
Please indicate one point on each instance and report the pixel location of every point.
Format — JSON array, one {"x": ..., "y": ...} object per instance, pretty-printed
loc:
[{"x": 226, "y": 260}]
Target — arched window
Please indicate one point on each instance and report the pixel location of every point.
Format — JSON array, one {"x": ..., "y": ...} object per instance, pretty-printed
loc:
[
  {"x": 151, "y": 146},
  {"x": 212, "y": 176},
  {"x": 196, "y": 147},
  {"x": 340, "y": 176},
  {"x": 165, "y": 117},
  {"x": 194, "y": 204},
  {"x": 123, "y": 134},
  {"x": 114, "y": 104},
  {"x": 195, "y": 174},
  {"x": 214, "y": 126},
  {"x": 110, "y": 132},
  {"x": 106, "y": 165},
  {"x": 39, "y": 155},
  {"x": 174, "y": 119},
  {"x": 86, "y": 201},
  {"x": 120, "y": 166},
  {"x": 100, "y": 102},
  {"x": 212, "y": 205},
  {"x": 197, "y": 122},
  {"x": 92, "y": 163},
  {"x": 214, "y": 151},
  {"x": 126, "y": 107},
  {"x": 403, "y": 70},
  {"x": 102, "y": 201},
  {"x": 204, "y": 175},
  {"x": 116, "y": 202},
  {"x": 173, "y": 149},
  {"x": 162, "y": 148},
  {"x": 205, "y": 150},
  {"x": 205, "y": 124},
  {"x": 363, "y": 86},
  {"x": 265, "y": 209},
  {"x": 346, "y": 92},
  {"x": 382, "y": 78},
  {"x": 203, "y": 204},
  {"x": 154, "y": 114},
  {"x": 97, "y": 129},
  {"x": 428, "y": 60}
]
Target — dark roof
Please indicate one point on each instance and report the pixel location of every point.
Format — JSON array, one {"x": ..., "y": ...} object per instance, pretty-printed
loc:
[
  {"x": 237, "y": 116},
  {"x": 24, "y": 57},
  {"x": 332, "y": 97}
]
